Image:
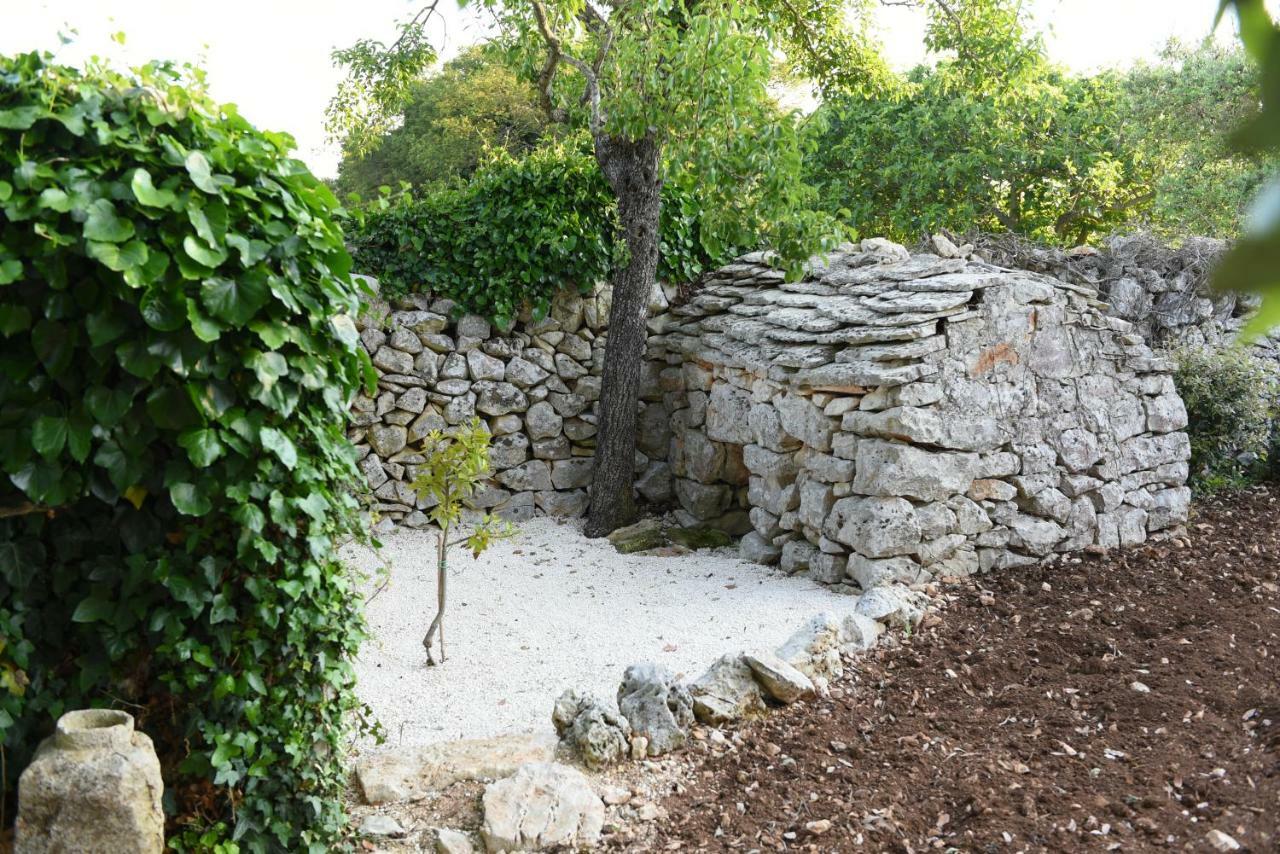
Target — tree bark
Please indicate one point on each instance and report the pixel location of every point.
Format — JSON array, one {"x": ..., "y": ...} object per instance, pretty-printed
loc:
[{"x": 632, "y": 170}]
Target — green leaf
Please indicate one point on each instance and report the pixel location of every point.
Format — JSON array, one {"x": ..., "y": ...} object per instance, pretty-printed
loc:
[
  {"x": 55, "y": 200},
  {"x": 113, "y": 256},
  {"x": 202, "y": 446},
  {"x": 104, "y": 326},
  {"x": 202, "y": 253},
  {"x": 10, "y": 271},
  {"x": 146, "y": 193},
  {"x": 189, "y": 499},
  {"x": 234, "y": 300},
  {"x": 49, "y": 435},
  {"x": 107, "y": 405},
  {"x": 14, "y": 319},
  {"x": 93, "y": 610},
  {"x": 103, "y": 224},
  {"x": 164, "y": 309},
  {"x": 280, "y": 444},
  {"x": 198, "y": 168},
  {"x": 20, "y": 118},
  {"x": 6, "y": 191}
]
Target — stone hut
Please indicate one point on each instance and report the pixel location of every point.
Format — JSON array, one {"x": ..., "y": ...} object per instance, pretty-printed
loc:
[{"x": 891, "y": 416}]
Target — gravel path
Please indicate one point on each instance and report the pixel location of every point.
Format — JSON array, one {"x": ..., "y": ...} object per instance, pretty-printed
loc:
[{"x": 549, "y": 610}]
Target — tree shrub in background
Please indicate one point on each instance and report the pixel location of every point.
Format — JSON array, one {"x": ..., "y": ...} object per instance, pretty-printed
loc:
[
  {"x": 178, "y": 358},
  {"x": 473, "y": 104},
  {"x": 1231, "y": 401}
]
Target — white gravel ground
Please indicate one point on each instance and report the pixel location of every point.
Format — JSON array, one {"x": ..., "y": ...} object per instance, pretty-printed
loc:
[{"x": 550, "y": 610}]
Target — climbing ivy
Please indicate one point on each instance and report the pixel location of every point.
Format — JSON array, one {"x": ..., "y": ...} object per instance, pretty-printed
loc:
[
  {"x": 522, "y": 228},
  {"x": 177, "y": 361}
]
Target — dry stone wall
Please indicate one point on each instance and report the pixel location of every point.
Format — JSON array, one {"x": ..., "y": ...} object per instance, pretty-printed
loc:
[
  {"x": 535, "y": 386},
  {"x": 896, "y": 417}
]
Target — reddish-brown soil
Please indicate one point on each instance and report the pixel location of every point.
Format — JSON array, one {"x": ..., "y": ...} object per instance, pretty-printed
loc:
[{"x": 1021, "y": 723}]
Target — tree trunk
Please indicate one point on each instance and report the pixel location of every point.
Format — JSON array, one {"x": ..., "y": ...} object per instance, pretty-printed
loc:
[{"x": 632, "y": 169}]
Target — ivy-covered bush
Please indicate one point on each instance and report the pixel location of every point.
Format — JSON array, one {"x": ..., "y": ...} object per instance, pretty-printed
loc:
[
  {"x": 176, "y": 366},
  {"x": 518, "y": 231},
  {"x": 1231, "y": 405}
]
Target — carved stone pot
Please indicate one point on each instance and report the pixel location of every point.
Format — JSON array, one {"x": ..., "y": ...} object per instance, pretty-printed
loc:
[{"x": 93, "y": 786}]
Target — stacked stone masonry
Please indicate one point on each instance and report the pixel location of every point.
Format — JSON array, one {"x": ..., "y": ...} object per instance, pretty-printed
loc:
[
  {"x": 536, "y": 388},
  {"x": 897, "y": 417},
  {"x": 888, "y": 417}
]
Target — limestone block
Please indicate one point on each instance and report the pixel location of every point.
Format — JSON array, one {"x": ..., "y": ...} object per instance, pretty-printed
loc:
[
  {"x": 891, "y": 468},
  {"x": 94, "y": 785},
  {"x": 875, "y": 527},
  {"x": 727, "y": 415},
  {"x": 541, "y": 806},
  {"x": 727, "y": 692}
]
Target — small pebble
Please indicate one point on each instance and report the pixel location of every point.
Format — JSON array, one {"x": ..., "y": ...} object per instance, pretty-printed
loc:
[{"x": 1140, "y": 687}]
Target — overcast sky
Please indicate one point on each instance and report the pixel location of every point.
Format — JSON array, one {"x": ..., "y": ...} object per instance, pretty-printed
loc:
[{"x": 271, "y": 57}]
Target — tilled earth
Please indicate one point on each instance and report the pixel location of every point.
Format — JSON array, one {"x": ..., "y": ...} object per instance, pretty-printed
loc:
[{"x": 1120, "y": 702}]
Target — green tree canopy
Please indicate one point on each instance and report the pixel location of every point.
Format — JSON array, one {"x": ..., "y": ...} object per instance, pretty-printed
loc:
[
  {"x": 1180, "y": 112},
  {"x": 473, "y": 104},
  {"x": 993, "y": 136}
]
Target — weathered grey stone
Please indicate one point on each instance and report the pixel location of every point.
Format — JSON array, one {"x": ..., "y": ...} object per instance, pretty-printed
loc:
[
  {"x": 657, "y": 706},
  {"x": 393, "y": 361},
  {"x": 450, "y": 841},
  {"x": 1034, "y": 536},
  {"x": 381, "y": 825},
  {"x": 523, "y": 373},
  {"x": 94, "y": 785},
  {"x": 871, "y": 572},
  {"x": 827, "y": 568},
  {"x": 564, "y": 504},
  {"x": 773, "y": 495},
  {"x": 499, "y": 398},
  {"x": 404, "y": 339},
  {"x": 571, "y": 474},
  {"x": 766, "y": 429},
  {"x": 727, "y": 416},
  {"x": 390, "y": 776},
  {"x": 541, "y": 806},
  {"x": 387, "y": 439},
  {"x": 704, "y": 501},
  {"x": 542, "y": 421},
  {"x": 800, "y": 418},
  {"x": 727, "y": 692},
  {"x": 655, "y": 484},
  {"x": 485, "y": 367},
  {"x": 601, "y": 736},
  {"x": 454, "y": 367},
  {"x": 859, "y": 632},
  {"x": 529, "y": 476},
  {"x": 796, "y": 555},
  {"x": 893, "y": 605},
  {"x": 814, "y": 650},
  {"x": 508, "y": 451},
  {"x": 461, "y": 409},
  {"x": 756, "y": 549},
  {"x": 555, "y": 448},
  {"x": 892, "y": 468},
  {"x": 875, "y": 527},
  {"x": 780, "y": 680}
]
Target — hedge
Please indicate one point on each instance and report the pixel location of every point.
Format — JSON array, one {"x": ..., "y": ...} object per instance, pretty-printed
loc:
[
  {"x": 177, "y": 362},
  {"x": 518, "y": 231}
]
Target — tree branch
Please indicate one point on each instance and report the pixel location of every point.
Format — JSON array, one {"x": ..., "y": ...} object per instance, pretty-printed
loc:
[{"x": 555, "y": 55}]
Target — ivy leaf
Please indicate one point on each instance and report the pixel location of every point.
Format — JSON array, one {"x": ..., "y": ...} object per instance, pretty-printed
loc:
[
  {"x": 202, "y": 446},
  {"x": 103, "y": 224},
  {"x": 107, "y": 405},
  {"x": 10, "y": 270},
  {"x": 92, "y": 610},
  {"x": 280, "y": 445},
  {"x": 20, "y": 118},
  {"x": 201, "y": 175},
  {"x": 189, "y": 500},
  {"x": 146, "y": 193},
  {"x": 163, "y": 309},
  {"x": 48, "y": 435},
  {"x": 202, "y": 253},
  {"x": 233, "y": 300},
  {"x": 119, "y": 258},
  {"x": 14, "y": 319}
]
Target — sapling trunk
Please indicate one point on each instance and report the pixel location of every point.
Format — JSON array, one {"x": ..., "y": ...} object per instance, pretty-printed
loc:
[{"x": 437, "y": 624}]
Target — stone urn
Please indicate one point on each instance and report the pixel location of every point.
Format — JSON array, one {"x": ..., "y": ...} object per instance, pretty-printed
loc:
[{"x": 93, "y": 786}]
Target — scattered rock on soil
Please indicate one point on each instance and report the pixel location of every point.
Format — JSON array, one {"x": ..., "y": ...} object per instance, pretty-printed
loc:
[
  {"x": 388, "y": 777},
  {"x": 727, "y": 692},
  {"x": 780, "y": 680},
  {"x": 542, "y": 805},
  {"x": 657, "y": 706}
]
